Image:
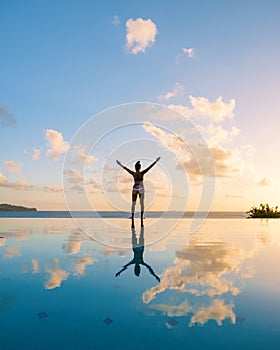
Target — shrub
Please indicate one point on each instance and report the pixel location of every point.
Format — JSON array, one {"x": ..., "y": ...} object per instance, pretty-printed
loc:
[{"x": 263, "y": 211}]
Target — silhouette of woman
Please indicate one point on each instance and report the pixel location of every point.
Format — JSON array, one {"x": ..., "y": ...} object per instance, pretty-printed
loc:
[
  {"x": 138, "y": 187},
  {"x": 138, "y": 250}
]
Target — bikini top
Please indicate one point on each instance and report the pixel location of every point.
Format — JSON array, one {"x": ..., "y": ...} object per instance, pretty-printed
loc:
[{"x": 138, "y": 177}]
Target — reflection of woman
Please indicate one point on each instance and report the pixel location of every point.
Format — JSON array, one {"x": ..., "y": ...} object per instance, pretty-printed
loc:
[
  {"x": 138, "y": 187},
  {"x": 138, "y": 259}
]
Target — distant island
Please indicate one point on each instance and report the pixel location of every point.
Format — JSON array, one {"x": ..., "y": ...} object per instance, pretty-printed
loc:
[
  {"x": 10, "y": 207},
  {"x": 263, "y": 211}
]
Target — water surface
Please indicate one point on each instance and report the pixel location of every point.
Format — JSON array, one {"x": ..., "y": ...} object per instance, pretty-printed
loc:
[{"x": 219, "y": 288}]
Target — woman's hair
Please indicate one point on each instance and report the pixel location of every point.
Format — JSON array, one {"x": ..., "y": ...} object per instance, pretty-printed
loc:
[{"x": 138, "y": 165}]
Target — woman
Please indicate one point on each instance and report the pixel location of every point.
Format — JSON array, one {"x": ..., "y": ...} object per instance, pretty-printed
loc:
[{"x": 138, "y": 187}]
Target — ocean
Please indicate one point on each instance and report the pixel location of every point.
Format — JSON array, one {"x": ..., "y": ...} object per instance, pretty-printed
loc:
[{"x": 116, "y": 214}]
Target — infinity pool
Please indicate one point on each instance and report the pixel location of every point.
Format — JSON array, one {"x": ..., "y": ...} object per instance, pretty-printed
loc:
[{"x": 218, "y": 288}]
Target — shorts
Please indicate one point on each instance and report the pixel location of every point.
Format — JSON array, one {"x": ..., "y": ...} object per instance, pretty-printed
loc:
[{"x": 136, "y": 189}]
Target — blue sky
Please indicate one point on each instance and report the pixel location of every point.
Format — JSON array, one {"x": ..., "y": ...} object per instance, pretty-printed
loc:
[{"x": 64, "y": 61}]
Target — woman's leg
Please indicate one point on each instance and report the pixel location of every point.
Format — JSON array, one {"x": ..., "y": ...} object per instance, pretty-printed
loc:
[
  {"x": 141, "y": 195},
  {"x": 133, "y": 204}
]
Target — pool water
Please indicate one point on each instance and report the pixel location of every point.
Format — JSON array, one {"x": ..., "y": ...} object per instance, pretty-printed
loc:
[{"x": 217, "y": 288}]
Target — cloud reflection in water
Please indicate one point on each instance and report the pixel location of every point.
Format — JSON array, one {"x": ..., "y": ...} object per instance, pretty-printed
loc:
[{"x": 202, "y": 282}]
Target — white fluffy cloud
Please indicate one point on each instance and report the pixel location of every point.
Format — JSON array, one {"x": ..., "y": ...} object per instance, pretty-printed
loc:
[
  {"x": 207, "y": 117},
  {"x": 140, "y": 34},
  {"x": 196, "y": 159},
  {"x": 13, "y": 167},
  {"x": 172, "y": 142},
  {"x": 178, "y": 90},
  {"x": 217, "y": 135},
  {"x": 185, "y": 52},
  {"x": 215, "y": 111},
  {"x": 57, "y": 145}
]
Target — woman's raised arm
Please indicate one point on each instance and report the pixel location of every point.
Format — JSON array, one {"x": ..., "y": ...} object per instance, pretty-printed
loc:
[
  {"x": 125, "y": 168},
  {"x": 150, "y": 166}
]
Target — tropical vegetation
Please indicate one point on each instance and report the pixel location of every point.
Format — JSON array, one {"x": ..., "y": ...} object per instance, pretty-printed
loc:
[{"x": 263, "y": 211}]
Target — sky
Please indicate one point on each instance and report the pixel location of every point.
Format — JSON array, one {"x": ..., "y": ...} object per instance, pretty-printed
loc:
[{"x": 214, "y": 62}]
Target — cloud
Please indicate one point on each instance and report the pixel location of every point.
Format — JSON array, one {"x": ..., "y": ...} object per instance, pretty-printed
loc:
[
  {"x": 196, "y": 159},
  {"x": 52, "y": 188},
  {"x": 181, "y": 109},
  {"x": 74, "y": 176},
  {"x": 216, "y": 111},
  {"x": 264, "y": 182},
  {"x": 93, "y": 185},
  {"x": 224, "y": 163},
  {"x": 216, "y": 135},
  {"x": 233, "y": 196},
  {"x": 178, "y": 90},
  {"x": 80, "y": 156},
  {"x": 78, "y": 181},
  {"x": 185, "y": 52},
  {"x": 36, "y": 154},
  {"x": 172, "y": 142},
  {"x": 205, "y": 115},
  {"x": 6, "y": 117},
  {"x": 13, "y": 167},
  {"x": 16, "y": 185},
  {"x": 163, "y": 189},
  {"x": 57, "y": 275},
  {"x": 57, "y": 145},
  {"x": 140, "y": 34},
  {"x": 189, "y": 52},
  {"x": 77, "y": 188},
  {"x": 116, "y": 20},
  {"x": 115, "y": 180},
  {"x": 81, "y": 264}
]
